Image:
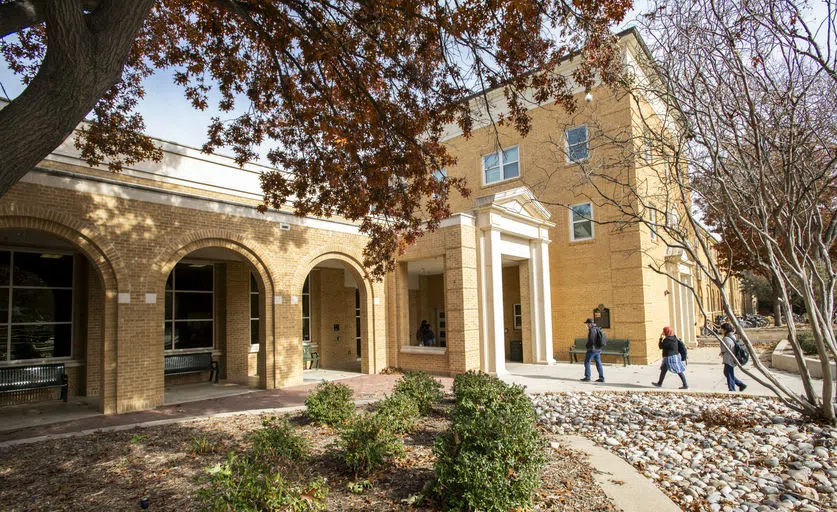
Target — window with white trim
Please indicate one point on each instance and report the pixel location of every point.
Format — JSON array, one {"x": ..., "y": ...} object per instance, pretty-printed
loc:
[
  {"x": 646, "y": 146},
  {"x": 581, "y": 222},
  {"x": 518, "y": 316},
  {"x": 254, "y": 311},
  {"x": 652, "y": 221},
  {"x": 577, "y": 144},
  {"x": 440, "y": 175},
  {"x": 673, "y": 218},
  {"x": 36, "y": 305},
  {"x": 190, "y": 307},
  {"x": 306, "y": 309},
  {"x": 501, "y": 165}
]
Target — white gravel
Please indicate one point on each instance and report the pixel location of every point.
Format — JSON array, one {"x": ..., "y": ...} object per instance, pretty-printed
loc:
[{"x": 764, "y": 458}]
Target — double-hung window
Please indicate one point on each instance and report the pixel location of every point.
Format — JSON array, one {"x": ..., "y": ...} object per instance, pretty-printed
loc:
[
  {"x": 581, "y": 222},
  {"x": 578, "y": 147},
  {"x": 501, "y": 165}
]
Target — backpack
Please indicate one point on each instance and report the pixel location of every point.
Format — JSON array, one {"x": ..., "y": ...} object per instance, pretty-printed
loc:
[
  {"x": 740, "y": 352},
  {"x": 681, "y": 348},
  {"x": 601, "y": 341}
]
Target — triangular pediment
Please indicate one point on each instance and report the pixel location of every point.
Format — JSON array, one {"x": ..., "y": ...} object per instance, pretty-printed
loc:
[{"x": 520, "y": 201}]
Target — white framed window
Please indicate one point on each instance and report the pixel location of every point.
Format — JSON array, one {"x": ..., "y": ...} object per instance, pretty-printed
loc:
[
  {"x": 36, "y": 304},
  {"x": 190, "y": 306},
  {"x": 518, "y": 316},
  {"x": 577, "y": 144},
  {"x": 646, "y": 146},
  {"x": 652, "y": 221},
  {"x": 440, "y": 175},
  {"x": 254, "y": 311},
  {"x": 673, "y": 219},
  {"x": 581, "y": 222},
  {"x": 501, "y": 165},
  {"x": 306, "y": 309}
]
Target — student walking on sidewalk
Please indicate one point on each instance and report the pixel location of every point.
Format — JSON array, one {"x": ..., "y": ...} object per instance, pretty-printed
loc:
[
  {"x": 727, "y": 345},
  {"x": 674, "y": 357},
  {"x": 595, "y": 342}
]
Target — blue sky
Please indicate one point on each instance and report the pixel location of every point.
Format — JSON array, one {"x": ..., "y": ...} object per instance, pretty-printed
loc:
[{"x": 167, "y": 113}]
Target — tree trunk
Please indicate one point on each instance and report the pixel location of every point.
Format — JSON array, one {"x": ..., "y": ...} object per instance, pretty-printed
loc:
[
  {"x": 777, "y": 306},
  {"x": 85, "y": 56}
]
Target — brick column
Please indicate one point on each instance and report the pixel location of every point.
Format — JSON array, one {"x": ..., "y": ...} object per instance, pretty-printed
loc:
[
  {"x": 95, "y": 333},
  {"x": 237, "y": 322},
  {"x": 461, "y": 300}
]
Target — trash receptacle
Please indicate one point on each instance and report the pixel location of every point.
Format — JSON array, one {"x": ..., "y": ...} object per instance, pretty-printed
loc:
[{"x": 516, "y": 351}]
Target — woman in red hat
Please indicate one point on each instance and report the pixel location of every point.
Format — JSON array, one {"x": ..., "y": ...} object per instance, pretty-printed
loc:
[{"x": 674, "y": 357}]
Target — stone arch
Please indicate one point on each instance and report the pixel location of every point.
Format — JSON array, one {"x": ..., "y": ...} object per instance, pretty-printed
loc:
[
  {"x": 91, "y": 241},
  {"x": 110, "y": 267},
  {"x": 252, "y": 252},
  {"x": 367, "y": 294},
  {"x": 175, "y": 251}
]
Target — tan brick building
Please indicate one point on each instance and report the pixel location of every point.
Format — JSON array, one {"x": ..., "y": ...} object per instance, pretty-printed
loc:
[{"x": 114, "y": 274}]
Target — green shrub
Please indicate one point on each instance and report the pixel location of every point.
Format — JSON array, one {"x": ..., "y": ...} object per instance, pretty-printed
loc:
[
  {"x": 422, "y": 388},
  {"x": 243, "y": 485},
  {"x": 277, "y": 440},
  {"x": 367, "y": 443},
  {"x": 400, "y": 412},
  {"x": 490, "y": 458},
  {"x": 330, "y": 404},
  {"x": 806, "y": 342}
]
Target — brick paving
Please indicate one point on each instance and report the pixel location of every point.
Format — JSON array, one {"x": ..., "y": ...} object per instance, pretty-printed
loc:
[{"x": 365, "y": 387}]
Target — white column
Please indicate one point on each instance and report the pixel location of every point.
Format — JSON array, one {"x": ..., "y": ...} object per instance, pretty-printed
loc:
[
  {"x": 541, "y": 302},
  {"x": 494, "y": 302},
  {"x": 486, "y": 347},
  {"x": 546, "y": 290},
  {"x": 535, "y": 300}
]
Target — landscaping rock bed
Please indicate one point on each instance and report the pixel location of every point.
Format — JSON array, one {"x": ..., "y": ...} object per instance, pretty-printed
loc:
[{"x": 708, "y": 452}]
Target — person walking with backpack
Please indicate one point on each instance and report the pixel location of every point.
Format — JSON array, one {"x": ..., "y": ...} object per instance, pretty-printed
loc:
[
  {"x": 596, "y": 340},
  {"x": 674, "y": 357},
  {"x": 728, "y": 350}
]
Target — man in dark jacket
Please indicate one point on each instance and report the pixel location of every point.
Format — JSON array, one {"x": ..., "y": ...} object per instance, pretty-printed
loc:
[{"x": 594, "y": 350}]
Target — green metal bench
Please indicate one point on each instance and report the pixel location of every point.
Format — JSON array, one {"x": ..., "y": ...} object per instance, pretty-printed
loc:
[
  {"x": 620, "y": 347},
  {"x": 310, "y": 358}
]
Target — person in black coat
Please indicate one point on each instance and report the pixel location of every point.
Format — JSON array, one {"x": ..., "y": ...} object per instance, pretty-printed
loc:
[{"x": 674, "y": 357}]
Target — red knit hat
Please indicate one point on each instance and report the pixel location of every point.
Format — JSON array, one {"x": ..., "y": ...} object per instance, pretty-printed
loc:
[{"x": 667, "y": 331}]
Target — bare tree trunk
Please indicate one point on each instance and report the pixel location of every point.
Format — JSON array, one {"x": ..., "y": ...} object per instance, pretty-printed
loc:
[
  {"x": 777, "y": 304},
  {"x": 85, "y": 57}
]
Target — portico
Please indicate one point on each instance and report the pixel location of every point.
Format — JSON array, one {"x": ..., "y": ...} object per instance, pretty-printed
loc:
[{"x": 513, "y": 231}]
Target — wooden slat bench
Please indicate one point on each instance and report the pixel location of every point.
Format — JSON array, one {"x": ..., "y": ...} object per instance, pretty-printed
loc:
[
  {"x": 310, "y": 358},
  {"x": 33, "y": 377},
  {"x": 620, "y": 347},
  {"x": 179, "y": 364}
]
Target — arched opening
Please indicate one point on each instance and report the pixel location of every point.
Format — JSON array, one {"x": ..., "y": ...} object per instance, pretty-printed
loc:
[
  {"x": 214, "y": 308},
  {"x": 52, "y": 311},
  {"x": 333, "y": 305}
]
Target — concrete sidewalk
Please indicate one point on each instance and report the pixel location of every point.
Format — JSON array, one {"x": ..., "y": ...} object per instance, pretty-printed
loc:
[{"x": 704, "y": 375}]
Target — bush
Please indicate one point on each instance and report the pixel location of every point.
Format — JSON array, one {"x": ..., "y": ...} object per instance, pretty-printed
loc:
[
  {"x": 490, "y": 458},
  {"x": 277, "y": 440},
  {"x": 330, "y": 404},
  {"x": 400, "y": 412},
  {"x": 241, "y": 484},
  {"x": 368, "y": 443},
  {"x": 423, "y": 389},
  {"x": 806, "y": 342}
]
